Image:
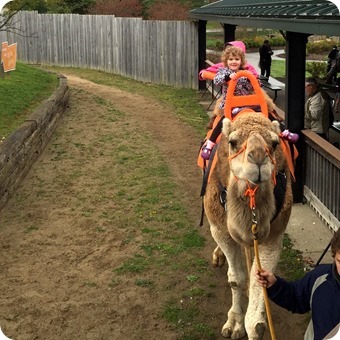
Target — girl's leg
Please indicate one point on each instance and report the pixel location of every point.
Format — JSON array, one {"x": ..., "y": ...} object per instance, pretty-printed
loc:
[
  {"x": 217, "y": 131},
  {"x": 206, "y": 150}
]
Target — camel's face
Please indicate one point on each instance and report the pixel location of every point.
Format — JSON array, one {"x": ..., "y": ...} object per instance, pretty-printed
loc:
[{"x": 252, "y": 149}]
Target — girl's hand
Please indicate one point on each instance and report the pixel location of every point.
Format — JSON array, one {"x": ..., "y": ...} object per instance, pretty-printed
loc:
[{"x": 233, "y": 76}]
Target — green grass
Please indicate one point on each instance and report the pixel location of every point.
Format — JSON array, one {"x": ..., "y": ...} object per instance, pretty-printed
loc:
[
  {"x": 278, "y": 69},
  {"x": 291, "y": 263},
  {"x": 21, "y": 91},
  {"x": 182, "y": 317}
]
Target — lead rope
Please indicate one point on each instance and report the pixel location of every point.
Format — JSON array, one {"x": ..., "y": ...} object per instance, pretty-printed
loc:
[{"x": 258, "y": 264}]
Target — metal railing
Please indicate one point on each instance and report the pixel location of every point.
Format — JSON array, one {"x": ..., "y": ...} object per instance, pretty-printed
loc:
[{"x": 322, "y": 178}]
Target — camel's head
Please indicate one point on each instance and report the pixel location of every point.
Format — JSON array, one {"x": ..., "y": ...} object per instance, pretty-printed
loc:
[{"x": 253, "y": 140}]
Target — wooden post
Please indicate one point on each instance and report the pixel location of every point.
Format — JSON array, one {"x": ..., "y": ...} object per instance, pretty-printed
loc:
[
  {"x": 295, "y": 99},
  {"x": 202, "y": 50},
  {"x": 2, "y": 73},
  {"x": 229, "y": 32}
]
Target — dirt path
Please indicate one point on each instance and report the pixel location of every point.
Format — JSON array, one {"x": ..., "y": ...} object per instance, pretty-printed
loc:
[{"x": 51, "y": 251}]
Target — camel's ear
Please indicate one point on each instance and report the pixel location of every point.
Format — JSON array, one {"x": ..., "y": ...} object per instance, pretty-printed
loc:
[
  {"x": 276, "y": 126},
  {"x": 226, "y": 128}
]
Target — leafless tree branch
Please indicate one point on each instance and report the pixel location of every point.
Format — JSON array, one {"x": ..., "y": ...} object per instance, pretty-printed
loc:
[{"x": 8, "y": 24}]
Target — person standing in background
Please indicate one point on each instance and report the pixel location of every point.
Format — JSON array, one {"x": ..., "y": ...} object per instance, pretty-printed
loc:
[
  {"x": 337, "y": 96},
  {"x": 332, "y": 57},
  {"x": 265, "y": 58},
  {"x": 316, "y": 109}
]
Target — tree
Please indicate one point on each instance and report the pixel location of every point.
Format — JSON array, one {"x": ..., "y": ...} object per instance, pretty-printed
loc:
[
  {"x": 8, "y": 23},
  {"x": 122, "y": 8},
  {"x": 53, "y": 6},
  {"x": 31, "y": 5},
  {"x": 78, "y": 6},
  {"x": 169, "y": 10},
  {"x": 119, "y": 8}
]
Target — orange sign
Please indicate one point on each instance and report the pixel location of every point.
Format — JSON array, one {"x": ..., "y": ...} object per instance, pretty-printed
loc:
[{"x": 8, "y": 56}]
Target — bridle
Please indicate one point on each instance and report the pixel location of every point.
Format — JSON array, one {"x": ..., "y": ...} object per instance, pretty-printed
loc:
[{"x": 251, "y": 190}]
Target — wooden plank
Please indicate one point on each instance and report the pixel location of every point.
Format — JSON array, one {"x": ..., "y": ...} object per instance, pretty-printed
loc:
[
  {"x": 209, "y": 63},
  {"x": 323, "y": 212}
]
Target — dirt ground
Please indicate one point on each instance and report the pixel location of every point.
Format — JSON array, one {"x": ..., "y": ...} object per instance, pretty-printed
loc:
[{"x": 49, "y": 249}]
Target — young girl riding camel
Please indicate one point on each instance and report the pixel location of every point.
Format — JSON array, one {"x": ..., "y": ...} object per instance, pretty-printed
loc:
[{"x": 233, "y": 60}]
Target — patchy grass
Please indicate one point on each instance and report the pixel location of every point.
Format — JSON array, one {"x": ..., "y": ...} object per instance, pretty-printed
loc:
[
  {"x": 142, "y": 217},
  {"x": 185, "y": 102},
  {"x": 291, "y": 262},
  {"x": 182, "y": 316},
  {"x": 140, "y": 190}
]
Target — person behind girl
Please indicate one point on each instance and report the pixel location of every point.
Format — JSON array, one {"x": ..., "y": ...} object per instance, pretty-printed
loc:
[{"x": 233, "y": 60}]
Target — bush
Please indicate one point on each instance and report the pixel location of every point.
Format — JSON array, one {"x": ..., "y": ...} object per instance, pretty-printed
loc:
[
  {"x": 278, "y": 40},
  {"x": 257, "y": 41},
  {"x": 253, "y": 42},
  {"x": 219, "y": 45},
  {"x": 317, "y": 69},
  {"x": 320, "y": 47}
]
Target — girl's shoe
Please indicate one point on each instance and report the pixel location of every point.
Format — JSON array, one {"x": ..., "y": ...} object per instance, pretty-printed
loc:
[
  {"x": 205, "y": 154},
  {"x": 290, "y": 136}
]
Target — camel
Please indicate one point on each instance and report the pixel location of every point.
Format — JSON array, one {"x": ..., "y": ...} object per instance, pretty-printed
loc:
[{"x": 250, "y": 160}]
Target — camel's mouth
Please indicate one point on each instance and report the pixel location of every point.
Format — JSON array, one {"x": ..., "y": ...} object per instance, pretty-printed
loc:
[{"x": 254, "y": 183}]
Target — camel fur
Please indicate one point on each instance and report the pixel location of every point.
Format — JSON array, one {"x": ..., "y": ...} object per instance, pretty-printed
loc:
[{"x": 261, "y": 158}]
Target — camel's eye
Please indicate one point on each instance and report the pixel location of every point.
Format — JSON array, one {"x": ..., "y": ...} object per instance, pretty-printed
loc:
[
  {"x": 275, "y": 143},
  {"x": 233, "y": 142}
]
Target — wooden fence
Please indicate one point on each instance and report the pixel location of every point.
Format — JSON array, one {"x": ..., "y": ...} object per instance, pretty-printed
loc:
[
  {"x": 161, "y": 52},
  {"x": 322, "y": 178}
]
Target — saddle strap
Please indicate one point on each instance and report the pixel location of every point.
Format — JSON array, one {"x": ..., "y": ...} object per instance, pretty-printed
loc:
[
  {"x": 279, "y": 192},
  {"x": 205, "y": 181},
  {"x": 207, "y": 171}
]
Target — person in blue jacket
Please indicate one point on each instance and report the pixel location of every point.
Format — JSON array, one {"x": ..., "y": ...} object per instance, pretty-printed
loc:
[{"x": 318, "y": 291}]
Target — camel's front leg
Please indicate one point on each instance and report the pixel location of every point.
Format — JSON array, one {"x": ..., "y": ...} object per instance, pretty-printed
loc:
[
  {"x": 255, "y": 320},
  {"x": 237, "y": 278}
]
